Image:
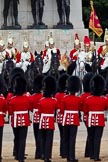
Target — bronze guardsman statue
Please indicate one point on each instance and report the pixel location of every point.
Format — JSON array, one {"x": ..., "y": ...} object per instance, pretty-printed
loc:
[
  {"x": 63, "y": 7},
  {"x": 14, "y": 13},
  {"x": 37, "y": 7}
]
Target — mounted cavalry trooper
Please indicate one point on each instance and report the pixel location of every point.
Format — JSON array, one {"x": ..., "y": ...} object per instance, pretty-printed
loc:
[
  {"x": 73, "y": 56},
  {"x": 47, "y": 57},
  {"x": 103, "y": 53},
  {"x": 87, "y": 50},
  {"x": 25, "y": 57},
  {"x": 11, "y": 51},
  {"x": 46, "y": 49},
  {"x": 77, "y": 47},
  {"x": 2, "y": 54},
  {"x": 86, "y": 54}
]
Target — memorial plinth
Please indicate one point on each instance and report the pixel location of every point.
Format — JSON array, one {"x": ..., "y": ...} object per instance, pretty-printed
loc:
[
  {"x": 37, "y": 35},
  {"x": 50, "y": 15},
  {"x": 64, "y": 39}
]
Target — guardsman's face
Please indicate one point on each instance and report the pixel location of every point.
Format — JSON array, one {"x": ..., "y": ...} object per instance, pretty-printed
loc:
[
  {"x": 51, "y": 45},
  {"x": 77, "y": 46},
  {"x": 1, "y": 48},
  {"x": 25, "y": 49},
  {"x": 87, "y": 48},
  {"x": 106, "y": 42},
  {"x": 46, "y": 47},
  {"x": 10, "y": 45}
]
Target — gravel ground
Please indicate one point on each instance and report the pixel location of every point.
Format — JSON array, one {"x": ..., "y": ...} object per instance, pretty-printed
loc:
[{"x": 30, "y": 147}]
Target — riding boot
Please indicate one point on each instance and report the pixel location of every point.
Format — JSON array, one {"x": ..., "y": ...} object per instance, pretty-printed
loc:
[
  {"x": 16, "y": 21},
  {"x": 35, "y": 21},
  {"x": 60, "y": 13},
  {"x": 60, "y": 19},
  {"x": 67, "y": 11},
  {"x": 5, "y": 23},
  {"x": 60, "y": 22},
  {"x": 40, "y": 16}
]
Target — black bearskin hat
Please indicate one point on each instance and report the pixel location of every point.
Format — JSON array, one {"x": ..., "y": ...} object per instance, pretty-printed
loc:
[
  {"x": 97, "y": 85},
  {"x": 37, "y": 85},
  {"x": 3, "y": 88},
  {"x": 49, "y": 86},
  {"x": 86, "y": 81},
  {"x": 19, "y": 86},
  {"x": 62, "y": 82},
  {"x": 17, "y": 71},
  {"x": 106, "y": 87},
  {"x": 74, "y": 84}
]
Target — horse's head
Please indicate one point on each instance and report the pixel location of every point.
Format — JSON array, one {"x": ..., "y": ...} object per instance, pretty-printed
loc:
[
  {"x": 81, "y": 61},
  {"x": 8, "y": 66},
  {"x": 38, "y": 63}
]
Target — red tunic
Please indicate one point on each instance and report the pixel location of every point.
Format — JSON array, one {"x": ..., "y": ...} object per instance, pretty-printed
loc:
[
  {"x": 94, "y": 107},
  {"x": 59, "y": 116},
  {"x": 3, "y": 109},
  {"x": 83, "y": 97},
  {"x": 32, "y": 57},
  {"x": 18, "y": 109},
  {"x": 100, "y": 49},
  {"x": 18, "y": 57},
  {"x": 35, "y": 99},
  {"x": 59, "y": 55},
  {"x": 70, "y": 107},
  {"x": 9, "y": 96},
  {"x": 14, "y": 54},
  {"x": 73, "y": 55},
  {"x": 47, "y": 107},
  {"x": 44, "y": 53}
]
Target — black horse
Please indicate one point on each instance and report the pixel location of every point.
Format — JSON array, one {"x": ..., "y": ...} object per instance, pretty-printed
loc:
[
  {"x": 8, "y": 66},
  {"x": 55, "y": 63},
  {"x": 33, "y": 70}
]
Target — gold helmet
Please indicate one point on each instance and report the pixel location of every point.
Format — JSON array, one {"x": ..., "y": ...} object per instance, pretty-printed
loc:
[
  {"x": 25, "y": 43},
  {"x": 77, "y": 41},
  {"x": 2, "y": 42},
  {"x": 106, "y": 35}
]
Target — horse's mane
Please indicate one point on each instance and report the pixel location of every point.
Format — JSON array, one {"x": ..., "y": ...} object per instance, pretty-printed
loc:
[
  {"x": 8, "y": 63},
  {"x": 65, "y": 61},
  {"x": 7, "y": 68}
]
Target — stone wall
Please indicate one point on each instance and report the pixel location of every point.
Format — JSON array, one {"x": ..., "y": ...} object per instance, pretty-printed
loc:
[
  {"x": 50, "y": 13},
  {"x": 64, "y": 39}
]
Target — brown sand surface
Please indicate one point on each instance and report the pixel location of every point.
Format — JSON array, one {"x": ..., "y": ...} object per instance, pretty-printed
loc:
[{"x": 30, "y": 146}]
